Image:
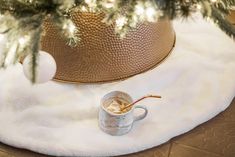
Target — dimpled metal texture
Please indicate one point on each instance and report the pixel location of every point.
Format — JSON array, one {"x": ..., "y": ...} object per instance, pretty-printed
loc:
[{"x": 101, "y": 56}]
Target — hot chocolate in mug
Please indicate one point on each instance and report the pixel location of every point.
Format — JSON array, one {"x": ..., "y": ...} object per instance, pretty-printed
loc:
[{"x": 121, "y": 123}]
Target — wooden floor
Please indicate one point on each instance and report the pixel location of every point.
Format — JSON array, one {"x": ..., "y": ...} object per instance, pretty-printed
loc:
[{"x": 215, "y": 138}]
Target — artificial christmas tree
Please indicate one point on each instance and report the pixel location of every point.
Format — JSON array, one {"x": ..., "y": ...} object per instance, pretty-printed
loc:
[{"x": 22, "y": 21}]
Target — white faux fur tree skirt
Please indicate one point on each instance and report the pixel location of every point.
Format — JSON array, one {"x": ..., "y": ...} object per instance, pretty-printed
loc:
[{"x": 196, "y": 82}]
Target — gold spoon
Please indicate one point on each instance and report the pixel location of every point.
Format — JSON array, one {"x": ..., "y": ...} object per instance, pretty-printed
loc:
[{"x": 131, "y": 104}]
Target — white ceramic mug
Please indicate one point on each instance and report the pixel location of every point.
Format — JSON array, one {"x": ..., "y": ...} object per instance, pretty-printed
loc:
[{"x": 118, "y": 124}]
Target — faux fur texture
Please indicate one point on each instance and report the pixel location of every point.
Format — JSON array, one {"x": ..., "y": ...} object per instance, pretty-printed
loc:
[{"x": 196, "y": 82}]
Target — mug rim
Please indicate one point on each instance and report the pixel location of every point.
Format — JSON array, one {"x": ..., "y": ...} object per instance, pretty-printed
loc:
[{"x": 116, "y": 114}]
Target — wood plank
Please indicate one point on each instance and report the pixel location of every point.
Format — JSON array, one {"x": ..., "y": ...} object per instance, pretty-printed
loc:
[{"x": 179, "y": 150}]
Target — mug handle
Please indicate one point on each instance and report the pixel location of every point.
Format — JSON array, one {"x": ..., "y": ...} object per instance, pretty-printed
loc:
[{"x": 142, "y": 116}]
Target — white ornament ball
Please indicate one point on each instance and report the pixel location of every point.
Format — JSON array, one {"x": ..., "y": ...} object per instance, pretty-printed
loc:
[{"x": 45, "y": 69}]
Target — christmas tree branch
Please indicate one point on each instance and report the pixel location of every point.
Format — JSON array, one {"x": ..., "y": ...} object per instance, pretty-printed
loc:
[
  {"x": 35, "y": 49},
  {"x": 221, "y": 21}
]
